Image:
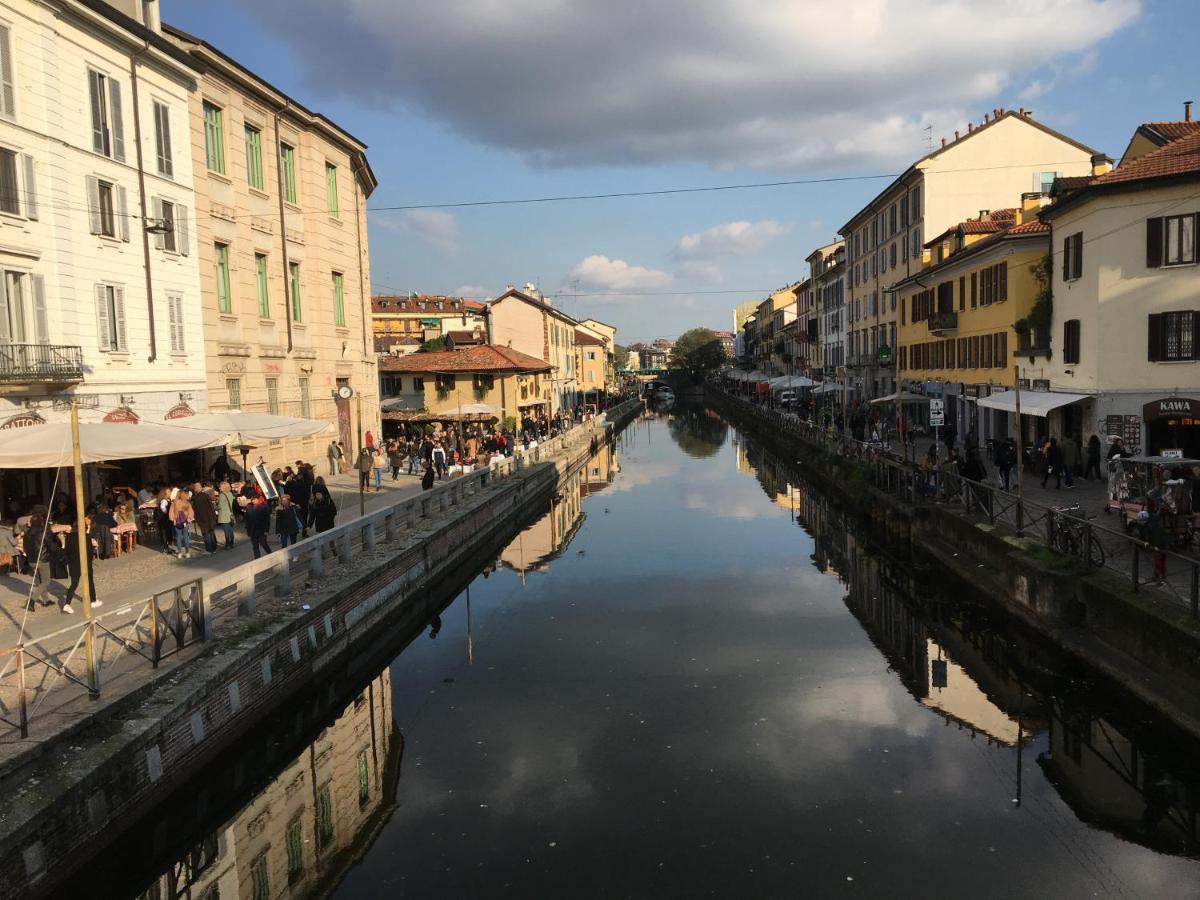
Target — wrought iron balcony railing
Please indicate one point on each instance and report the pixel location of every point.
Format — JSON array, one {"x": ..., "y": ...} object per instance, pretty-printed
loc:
[
  {"x": 943, "y": 322},
  {"x": 43, "y": 363}
]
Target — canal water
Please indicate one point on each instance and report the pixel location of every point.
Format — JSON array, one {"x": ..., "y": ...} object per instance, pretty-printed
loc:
[{"x": 693, "y": 676}]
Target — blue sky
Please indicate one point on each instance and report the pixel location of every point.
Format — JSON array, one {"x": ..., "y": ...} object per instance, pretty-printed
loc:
[{"x": 483, "y": 99}]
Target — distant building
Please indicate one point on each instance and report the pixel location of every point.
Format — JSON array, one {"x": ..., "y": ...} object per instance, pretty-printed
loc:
[
  {"x": 426, "y": 317},
  {"x": 527, "y": 321}
]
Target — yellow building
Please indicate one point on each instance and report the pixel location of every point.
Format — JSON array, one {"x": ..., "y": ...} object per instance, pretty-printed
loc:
[
  {"x": 280, "y": 195},
  {"x": 591, "y": 365},
  {"x": 608, "y": 335},
  {"x": 409, "y": 320},
  {"x": 958, "y": 316},
  {"x": 504, "y": 380}
]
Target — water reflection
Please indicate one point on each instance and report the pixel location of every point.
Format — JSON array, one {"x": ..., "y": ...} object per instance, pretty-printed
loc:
[{"x": 698, "y": 431}]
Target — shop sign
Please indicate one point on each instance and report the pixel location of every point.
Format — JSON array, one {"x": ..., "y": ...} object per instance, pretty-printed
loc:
[
  {"x": 179, "y": 411},
  {"x": 23, "y": 420},
  {"x": 1175, "y": 453},
  {"x": 123, "y": 415},
  {"x": 1170, "y": 407}
]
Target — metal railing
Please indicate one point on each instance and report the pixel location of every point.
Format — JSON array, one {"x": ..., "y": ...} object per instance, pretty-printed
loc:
[
  {"x": 1064, "y": 531},
  {"x": 943, "y": 321},
  {"x": 167, "y": 622},
  {"x": 54, "y": 363}
]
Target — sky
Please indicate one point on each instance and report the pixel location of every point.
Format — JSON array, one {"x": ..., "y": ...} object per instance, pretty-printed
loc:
[{"x": 479, "y": 100}]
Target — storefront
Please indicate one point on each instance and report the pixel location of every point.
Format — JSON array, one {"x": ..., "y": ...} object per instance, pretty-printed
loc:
[{"x": 1172, "y": 427}]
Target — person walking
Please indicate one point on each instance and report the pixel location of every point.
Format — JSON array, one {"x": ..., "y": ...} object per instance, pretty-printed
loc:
[
  {"x": 1004, "y": 461},
  {"x": 225, "y": 505},
  {"x": 364, "y": 464},
  {"x": 1053, "y": 463},
  {"x": 334, "y": 453},
  {"x": 379, "y": 464},
  {"x": 1093, "y": 458},
  {"x": 396, "y": 458},
  {"x": 71, "y": 549},
  {"x": 322, "y": 512},
  {"x": 35, "y": 543},
  {"x": 287, "y": 521},
  {"x": 258, "y": 524},
  {"x": 427, "y": 477},
  {"x": 1070, "y": 459},
  {"x": 414, "y": 456},
  {"x": 206, "y": 516},
  {"x": 182, "y": 515},
  {"x": 439, "y": 460}
]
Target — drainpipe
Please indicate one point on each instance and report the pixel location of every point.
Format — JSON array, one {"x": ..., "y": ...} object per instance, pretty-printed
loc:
[
  {"x": 137, "y": 142},
  {"x": 363, "y": 302},
  {"x": 287, "y": 287}
]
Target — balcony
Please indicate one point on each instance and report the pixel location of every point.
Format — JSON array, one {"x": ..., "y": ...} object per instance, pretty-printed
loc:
[
  {"x": 943, "y": 322},
  {"x": 40, "y": 364}
]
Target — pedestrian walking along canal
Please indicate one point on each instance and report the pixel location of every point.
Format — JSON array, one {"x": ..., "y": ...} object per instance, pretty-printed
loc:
[{"x": 693, "y": 676}]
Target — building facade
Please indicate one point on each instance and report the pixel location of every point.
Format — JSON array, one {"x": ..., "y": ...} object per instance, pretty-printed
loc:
[
  {"x": 985, "y": 169},
  {"x": 407, "y": 321},
  {"x": 99, "y": 282},
  {"x": 281, "y": 237},
  {"x": 827, "y": 266},
  {"x": 526, "y": 321}
]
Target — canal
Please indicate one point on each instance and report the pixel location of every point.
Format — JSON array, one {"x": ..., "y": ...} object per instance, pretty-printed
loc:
[{"x": 693, "y": 676}]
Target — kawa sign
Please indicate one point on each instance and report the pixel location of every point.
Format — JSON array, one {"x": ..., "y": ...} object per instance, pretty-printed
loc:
[{"x": 1169, "y": 407}]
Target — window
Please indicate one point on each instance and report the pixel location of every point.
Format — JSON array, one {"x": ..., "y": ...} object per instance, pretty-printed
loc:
[
  {"x": 1173, "y": 336},
  {"x": 1175, "y": 239},
  {"x": 364, "y": 779},
  {"x": 224, "y": 297},
  {"x": 1044, "y": 181},
  {"x": 339, "y": 301},
  {"x": 444, "y": 383},
  {"x": 484, "y": 382},
  {"x": 1072, "y": 266},
  {"x": 162, "y": 140},
  {"x": 591, "y": 355},
  {"x": 974, "y": 289},
  {"x": 904, "y": 211},
  {"x": 1071, "y": 342},
  {"x": 233, "y": 386},
  {"x": 915, "y": 203},
  {"x": 962, "y": 292},
  {"x": 260, "y": 884},
  {"x": 287, "y": 159},
  {"x": 8, "y": 93},
  {"x": 175, "y": 322},
  {"x": 260, "y": 278},
  {"x": 166, "y": 219},
  {"x": 294, "y": 278},
  {"x": 916, "y": 243},
  {"x": 23, "y": 316},
  {"x": 305, "y": 398},
  {"x": 110, "y": 318},
  {"x": 254, "y": 164},
  {"x": 418, "y": 384},
  {"x": 214, "y": 138},
  {"x": 108, "y": 133},
  {"x": 106, "y": 209},
  {"x": 324, "y": 828},
  {"x": 331, "y": 200},
  {"x": 295, "y": 850},
  {"x": 9, "y": 191},
  {"x": 892, "y": 255},
  {"x": 1002, "y": 350},
  {"x": 273, "y": 396},
  {"x": 993, "y": 284}
]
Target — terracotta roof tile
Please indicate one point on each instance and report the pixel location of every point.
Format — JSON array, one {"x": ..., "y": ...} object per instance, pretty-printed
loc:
[
  {"x": 485, "y": 358},
  {"x": 585, "y": 339},
  {"x": 1180, "y": 157},
  {"x": 1173, "y": 131},
  {"x": 1034, "y": 226},
  {"x": 433, "y": 303}
]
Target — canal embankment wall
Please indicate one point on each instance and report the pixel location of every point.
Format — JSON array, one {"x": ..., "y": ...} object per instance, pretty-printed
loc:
[
  {"x": 1148, "y": 643},
  {"x": 302, "y": 616}
]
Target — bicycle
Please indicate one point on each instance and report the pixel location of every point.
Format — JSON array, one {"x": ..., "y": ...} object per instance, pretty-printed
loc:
[{"x": 1070, "y": 535}]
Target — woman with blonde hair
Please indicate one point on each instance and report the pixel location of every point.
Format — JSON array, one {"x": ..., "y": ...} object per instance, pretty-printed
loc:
[{"x": 182, "y": 515}]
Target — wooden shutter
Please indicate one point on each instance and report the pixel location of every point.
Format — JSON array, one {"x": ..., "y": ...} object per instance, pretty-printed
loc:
[
  {"x": 96, "y": 89},
  {"x": 102, "y": 316},
  {"x": 1077, "y": 255},
  {"x": 93, "y": 199},
  {"x": 41, "y": 317},
  {"x": 181, "y": 230},
  {"x": 116, "y": 124},
  {"x": 162, "y": 130},
  {"x": 119, "y": 303},
  {"x": 1002, "y": 362},
  {"x": 122, "y": 213},
  {"x": 156, "y": 207},
  {"x": 1002, "y": 271},
  {"x": 1154, "y": 242},
  {"x": 1155, "y": 343},
  {"x": 5, "y": 335},
  {"x": 175, "y": 314},
  {"x": 31, "y": 207},
  {"x": 962, "y": 292},
  {"x": 1066, "y": 260},
  {"x": 974, "y": 289},
  {"x": 8, "y": 105}
]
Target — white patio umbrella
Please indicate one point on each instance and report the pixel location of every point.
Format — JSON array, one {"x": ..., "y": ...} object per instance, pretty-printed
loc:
[
  {"x": 248, "y": 428},
  {"x": 48, "y": 446}
]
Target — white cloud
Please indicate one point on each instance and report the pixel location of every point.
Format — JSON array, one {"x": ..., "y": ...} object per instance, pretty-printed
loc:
[
  {"x": 473, "y": 292},
  {"x": 719, "y": 82},
  {"x": 601, "y": 273},
  {"x": 434, "y": 226},
  {"x": 729, "y": 239}
]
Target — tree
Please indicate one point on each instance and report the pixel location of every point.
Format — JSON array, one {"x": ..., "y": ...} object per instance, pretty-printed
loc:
[
  {"x": 438, "y": 343},
  {"x": 698, "y": 352},
  {"x": 620, "y": 357}
]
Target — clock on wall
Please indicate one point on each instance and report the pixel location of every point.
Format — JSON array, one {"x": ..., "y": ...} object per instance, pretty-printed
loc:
[{"x": 345, "y": 392}]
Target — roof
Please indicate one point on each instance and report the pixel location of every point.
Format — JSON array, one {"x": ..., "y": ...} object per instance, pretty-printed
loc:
[
  {"x": 385, "y": 342},
  {"x": 533, "y": 301},
  {"x": 464, "y": 337},
  {"x": 1022, "y": 114},
  {"x": 484, "y": 358},
  {"x": 584, "y": 339},
  {"x": 1178, "y": 160},
  {"x": 1171, "y": 131},
  {"x": 995, "y": 221},
  {"x": 433, "y": 303},
  {"x": 1027, "y": 230},
  {"x": 133, "y": 26}
]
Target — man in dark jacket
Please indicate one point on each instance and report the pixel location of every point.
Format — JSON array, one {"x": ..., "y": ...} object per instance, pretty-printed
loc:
[
  {"x": 35, "y": 544},
  {"x": 1054, "y": 463},
  {"x": 287, "y": 521},
  {"x": 300, "y": 490},
  {"x": 205, "y": 512},
  {"x": 258, "y": 524},
  {"x": 322, "y": 512}
]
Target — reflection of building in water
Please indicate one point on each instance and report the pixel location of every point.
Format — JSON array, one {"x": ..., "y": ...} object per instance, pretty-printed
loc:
[
  {"x": 600, "y": 470},
  {"x": 1113, "y": 780},
  {"x": 534, "y": 547},
  {"x": 300, "y": 834}
]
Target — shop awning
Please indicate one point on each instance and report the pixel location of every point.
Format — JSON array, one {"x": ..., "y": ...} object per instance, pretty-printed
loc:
[
  {"x": 253, "y": 428},
  {"x": 827, "y": 387},
  {"x": 796, "y": 382},
  {"x": 903, "y": 397},
  {"x": 1033, "y": 403},
  {"x": 48, "y": 446}
]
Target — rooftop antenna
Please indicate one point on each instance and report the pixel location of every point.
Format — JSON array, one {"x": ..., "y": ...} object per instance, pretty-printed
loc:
[{"x": 928, "y": 129}]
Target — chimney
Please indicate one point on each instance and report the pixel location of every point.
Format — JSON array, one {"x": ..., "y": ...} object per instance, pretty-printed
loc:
[
  {"x": 1101, "y": 164},
  {"x": 956, "y": 134},
  {"x": 999, "y": 111},
  {"x": 983, "y": 214},
  {"x": 970, "y": 127},
  {"x": 1031, "y": 202},
  {"x": 986, "y": 119},
  {"x": 1187, "y": 110},
  {"x": 943, "y": 142}
]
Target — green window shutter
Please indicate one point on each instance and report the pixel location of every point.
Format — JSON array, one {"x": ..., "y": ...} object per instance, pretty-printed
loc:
[
  {"x": 214, "y": 142},
  {"x": 331, "y": 188},
  {"x": 254, "y": 166},
  {"x": 287, "y": 157},
  {"x": 8, "y": 106},
  {"x": 99, "y": 130},
  {"x": 294, "y": 272},
  {"x": 260, "y": 274},
  {"x": 224, "y": 301},
  {"x": 339, "y": 301}
]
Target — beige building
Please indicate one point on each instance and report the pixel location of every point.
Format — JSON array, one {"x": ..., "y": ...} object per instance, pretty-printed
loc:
[
  {"x": 526, "y": 321},
  {"x": 282, "y": 246},
  {"x": 984, "y": 169},
  {"x": 591, "y": 365},
  {"x": 608, "y": 335}
]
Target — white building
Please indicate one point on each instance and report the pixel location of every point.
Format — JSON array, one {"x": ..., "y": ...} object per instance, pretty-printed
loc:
[
  {"x": 1126, "y": 289},
  {"x": 101, "y": 288},
  {"x": 828, "y": 265}
]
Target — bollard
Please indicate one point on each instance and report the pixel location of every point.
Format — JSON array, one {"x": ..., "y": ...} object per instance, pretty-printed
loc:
[
  {"x": 283, "y": 580},
  {"x": 316, "y": 558},
  {"x": 247, "y": 602}
]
